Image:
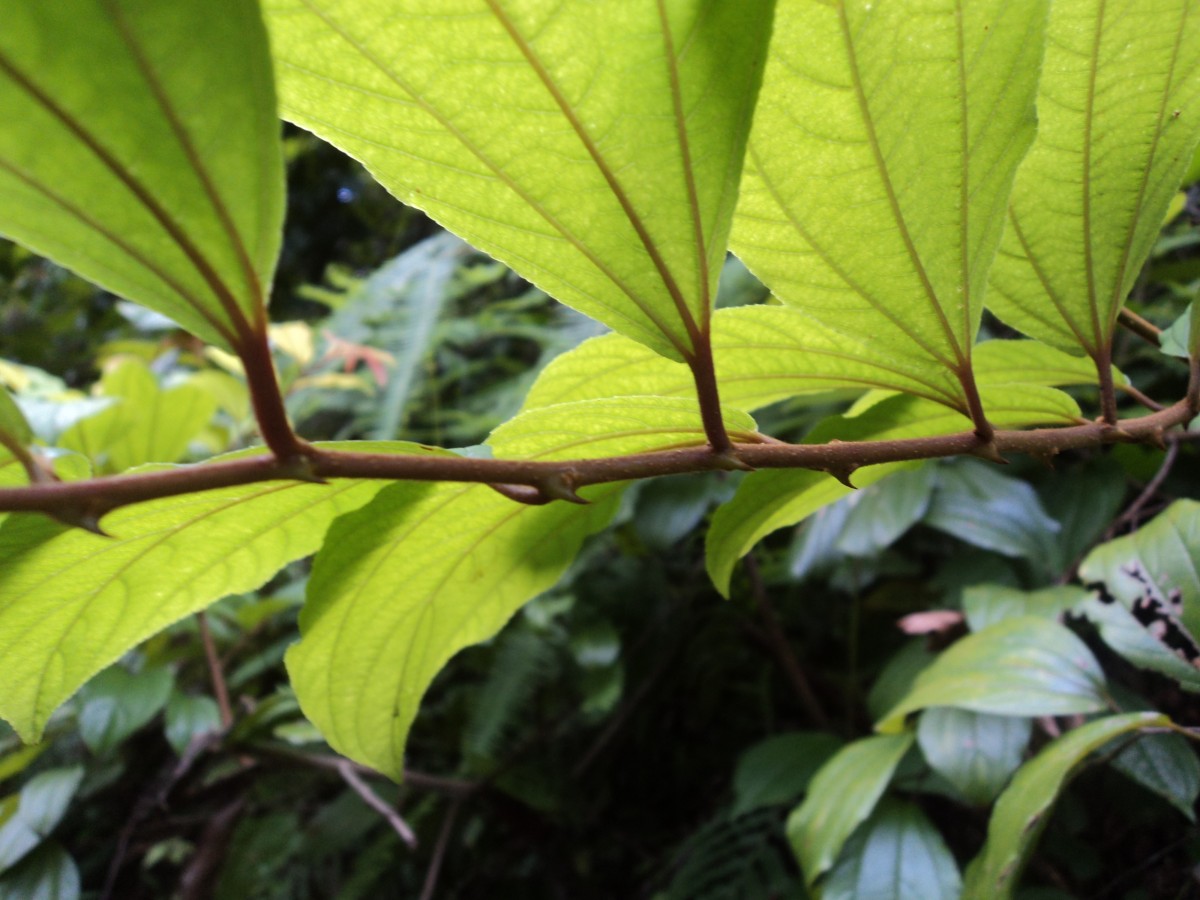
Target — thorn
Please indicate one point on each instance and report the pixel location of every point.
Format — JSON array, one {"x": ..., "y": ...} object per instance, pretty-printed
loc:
[
  {"x": 559, "y": 487},
  {"x": 521, "y": 493},
  {"x": 730, "y": 461},
  {"x": 989, "y": 452},
  {"x": 843, "y": 473},
  {"x": 87, "y": 519},
  {"x": 301, "y": 467}
]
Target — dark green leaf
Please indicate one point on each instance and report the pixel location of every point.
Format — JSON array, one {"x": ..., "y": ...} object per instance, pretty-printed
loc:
[
  {"x": 976, "y": 504},
  {"x": 987, "y": 604},
  {"x": 48, "y": 873},
  {"x": 42, "y": 803},
  {"x": 190, "y": 717},
  {"x": 1021, "y": 812},
  {"x": 117, "y": 702},
  {"x": 975, "y": 752},
  {"x": 778, "y": 769},
  {"x": 896, "y": 854}
]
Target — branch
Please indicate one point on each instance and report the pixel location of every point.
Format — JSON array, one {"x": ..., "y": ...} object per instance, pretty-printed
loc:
[
  {"x": 89, "y": 499},
  {"x": 1143, "y": 328},
  {"x": 347, "y": 770}
]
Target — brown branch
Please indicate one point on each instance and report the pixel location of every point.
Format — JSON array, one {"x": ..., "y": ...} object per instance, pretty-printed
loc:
[
  {"x": 1143, "y": 328},
  {"x": 1148, "y": 492},
  {"x": 776, "y": 640},
  {"x": 215, "y": 672},
  {"x": 439, "y": 850},
  {"x": 349, "y": 775},
  {"x": 96, "y": 496},
  {"x": 335, "y": 764}
]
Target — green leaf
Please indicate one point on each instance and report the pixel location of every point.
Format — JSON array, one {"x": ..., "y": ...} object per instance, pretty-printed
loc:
[
  {"x": 975, "y": 503},
  {"x": 779, "y": 769},
  {"x": 773, "y": 499},
  {"x": 1022, "y": 810},
  {"x": 975, "y": 752},
  {"x": 1165, "y": 764},
  {"x": 146, "y": 424},
  {"x": 190, "y": 717},
  {"x": 1176, "y": 340},
  {"x": 1083, "y": 505},
  {"x": 72, "y": 602},
  {"x": 141, "y": 150},
  {"x": 1158, "y": 564},
  {"x": 841, "y": 796},
  {"x": 1130, "y": 638},
  {"x": 117, "y": 702},
  {"x": 897, "y": 854},
  {"x": 48, "y": 873},
  {"x": 1026, "y": 666},
  {"x": 986, "y": 604},
  {"x": 595, "y": 148},
  {"x": 1117, "y": 126},
  {"x": 42, "y": 803},
  {"x": 427, "y": 569},
  {"x": 883, "y": 149}
]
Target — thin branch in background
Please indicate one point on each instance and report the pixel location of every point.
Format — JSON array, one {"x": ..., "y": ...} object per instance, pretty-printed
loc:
[
  {"x": 776, "y": 640},
  {"x": 1142, "y": 398},
  {"x": 1143, "y": 328},
  {"x": 1130, "y": 516},
  {"x": 335, "y": 764},
  {"x": 347, "y": 770},
  {"x": 215, "y": 671},
  {"x": 439, "y": 850}
]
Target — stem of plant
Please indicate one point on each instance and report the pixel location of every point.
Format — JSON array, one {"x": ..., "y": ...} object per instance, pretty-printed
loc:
[
  {"x": 705, "y": 376},
  {"x": 95, "y": 497},
  {"x": 1108, "y": 394}
]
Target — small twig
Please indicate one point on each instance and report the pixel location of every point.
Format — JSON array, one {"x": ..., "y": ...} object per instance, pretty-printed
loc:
[
  {"x": 1143, "y": 328},
  {"x": 1148, "y": 492},
  {"x": 439, "y": 850},
  {"x": 1142, "y": 398},
  {"x": 776, "y": 640},
  {"x": 346, "y": 770},
  {"x": 215, "y": 672},
  {"x": 438, "y": 783}
]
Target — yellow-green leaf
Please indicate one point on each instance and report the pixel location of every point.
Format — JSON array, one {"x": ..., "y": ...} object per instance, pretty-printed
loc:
[
  {"x": 140, "y": 148},
  {"x": 594, "y": 147},
  {"x": 879, "y": 166},
  {"x": 1118, "y": 121}
]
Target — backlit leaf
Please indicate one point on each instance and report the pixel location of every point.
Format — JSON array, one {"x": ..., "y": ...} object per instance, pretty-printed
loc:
[
  {"x": 878, "y": 169},
  {"x": 141, "y": 149},
  {"x": 841, "y": 796},
  {"x": 1117, "y": 126},
  {"x": 595, "y": 148},
  {"x": 1021, "y": 812},
  {"x": 72, "y": 602},
  {"x": 427, "y": 569}
]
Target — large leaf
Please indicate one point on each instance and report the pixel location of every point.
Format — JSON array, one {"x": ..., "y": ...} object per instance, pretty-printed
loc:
[
  {"x": 1117, "y": 125},
  {"x": 841, "y": 796},
  {"x": 1022, "y": 810},
  {"x": 42, "y": 803},
  {"x": 878, "y": 169},
  {"x": 779, "y": 769},
  {"x": 72, "y": 602},
  {"x": 1025, "y": 666},
  {"x": 594, "y": 147},
  {"x": 425, "y": 570},
  {"x": 141, "y": 149},
  {"x": 773, "y": 499},
  {"x": 897, "y": 854}
]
